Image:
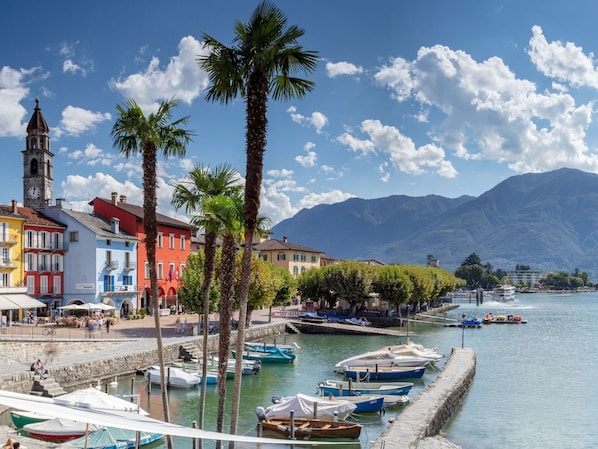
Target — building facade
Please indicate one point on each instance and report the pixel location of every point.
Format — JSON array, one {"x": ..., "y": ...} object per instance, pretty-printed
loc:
[
  {"x": 295, "y": 258},
  {"x": 173, "y": 246}
]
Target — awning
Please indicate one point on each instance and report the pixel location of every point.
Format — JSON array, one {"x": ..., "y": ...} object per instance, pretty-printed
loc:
[
  {"x": 7, "y": 304},
  {"x": 23, "y": 301}
]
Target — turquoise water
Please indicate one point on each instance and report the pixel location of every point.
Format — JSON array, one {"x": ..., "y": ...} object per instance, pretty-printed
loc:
[{"x": 534, "y": 383}]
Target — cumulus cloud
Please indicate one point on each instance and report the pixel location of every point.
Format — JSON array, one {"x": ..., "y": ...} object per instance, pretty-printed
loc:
[
  {"x": 564, "y": 62},
  {"x": 72, "y": 64},
  {"x": 331, "y": 197},
  {"x": 334, "y": 69},
  {"x": 76, "y": 121},
  {"x": 13, "y": 90},
  {"x": 181, "y": 78},
  {"x": 488, "y": 112},
  {"x": 309, "y": 160},
  {"x": 91, "y": 156},
  {"x": 316, "y": 119}
]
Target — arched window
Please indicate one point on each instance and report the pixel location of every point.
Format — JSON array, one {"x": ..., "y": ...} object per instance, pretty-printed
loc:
[
  {"x": 33, "y": 167},
  {"x": 48, "y": 169}
]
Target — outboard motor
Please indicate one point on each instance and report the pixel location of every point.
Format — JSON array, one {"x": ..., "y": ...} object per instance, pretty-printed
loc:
[{"x": 261, "y": 413}]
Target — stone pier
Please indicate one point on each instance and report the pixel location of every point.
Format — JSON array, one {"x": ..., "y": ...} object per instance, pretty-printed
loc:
[{"x": 419, "y": 425}]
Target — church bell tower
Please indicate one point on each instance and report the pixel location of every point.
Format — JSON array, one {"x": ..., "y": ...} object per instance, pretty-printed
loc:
[{"x": 37, "y": 162}]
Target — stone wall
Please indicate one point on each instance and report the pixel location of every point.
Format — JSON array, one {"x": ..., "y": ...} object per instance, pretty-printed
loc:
[{"x": 418, "y": 426}]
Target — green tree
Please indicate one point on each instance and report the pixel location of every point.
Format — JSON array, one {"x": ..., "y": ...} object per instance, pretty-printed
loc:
[
  {"x": 393, "y": 285},
  {"x": 262, "y": 61},
  {"x": 351, "y": 281},
  {"x": 191, "y": 193},
  {"x": 134, "y": 133}
]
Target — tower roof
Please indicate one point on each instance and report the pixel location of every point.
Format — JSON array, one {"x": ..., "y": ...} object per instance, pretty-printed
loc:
[{"x": 37, "y": 121}]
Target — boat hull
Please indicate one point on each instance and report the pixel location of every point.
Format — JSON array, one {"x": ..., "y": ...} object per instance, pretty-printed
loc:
[
  {"x": 342, "y": 388},
  {"x": 367, "y": 374},
  {"x": 314, "y": 428}
]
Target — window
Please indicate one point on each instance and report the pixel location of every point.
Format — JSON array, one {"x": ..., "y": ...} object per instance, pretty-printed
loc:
[
  {"x": 160, "y": 270},
  {"x": 108, "y": 258},
  {"x": 295, "y": 257},
  {"x": 127, "y": 244},
  {"x": 108, "y": 242},
  {"x": 29, "y": 239},
  {"x": 281, "y": 256},
  {"x": 265, "y": 257},
  {"x": 43, "y": 285},
  {"x": 33, "y": 165},
  {"x": 30, "y": 262},
  {"x": 295, "y": 270},
  {"x": 57, "y": 262},
  {"x": 314, "y": 259},
  {"x": 57, "y": 285},
  {"x": 74, "y": 236},
  {"x": 108, "y": 283},
  {"x": 6, "y": 257},
  {"x": 4, "y": 232},
  {"x": 183, "y": 243},
  {"x": 127, "y": 280},
  {"x": 303, "y": 269},
  {"x": 171, "y": 241},
  {"x": 44, "y": 262},
  {"x": 44, "y": 240},
  {"x": 5, "y": 280},
  {"x": 30, "y": 285},
  {"x": 57, "y": 237},
  {"x": 160, "y": 238},
  {"x": 146, "y": 270},
  {"x": 181, "y": 269},
  {"x": 303, "y": 258}
]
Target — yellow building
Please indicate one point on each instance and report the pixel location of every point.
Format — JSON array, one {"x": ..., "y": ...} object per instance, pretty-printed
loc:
[
  {"x": 282, "y": 253},
  {"x": 11, "y": 244}
]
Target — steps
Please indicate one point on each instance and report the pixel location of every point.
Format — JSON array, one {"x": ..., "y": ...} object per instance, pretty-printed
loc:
[
  {"x": 293, "y": 328},
  {"x": 189, "y": 350},
  {"x": 47, "y": 387}
]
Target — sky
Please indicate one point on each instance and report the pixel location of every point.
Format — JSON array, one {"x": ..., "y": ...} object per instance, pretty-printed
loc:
[{"x": 410, "y": 98}]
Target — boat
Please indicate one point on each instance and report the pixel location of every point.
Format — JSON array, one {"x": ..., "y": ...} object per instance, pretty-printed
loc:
[
  {"x": 276, "y": 356},
  {"x": 112, "y": 438},
  {"x": 306, "y": 407},
  {"x": 490, "y": 318},
  {"x": 248, "y": 366},
  {"x": 503, "y": 293},
  {"x": 269, "y": 347},
  {"x": 310, "y": 317},
  {"x": 365, "y": 403},
  {"x": 175, "y": 377},
  {"x": 312, "y": 428},
  {"x": 350, "y": 388},
  {"x": 93, "y": 398},
  {"x": 355, "y": 321},
  {"x": 369, "y": 373},
  {"x": 20, "y": 418},
  {"x": 470, "y": 321},
  {"x": 58, "y": 429},
  {"x": 391, "y": 400},
  {"x": 397, "y": 355}
]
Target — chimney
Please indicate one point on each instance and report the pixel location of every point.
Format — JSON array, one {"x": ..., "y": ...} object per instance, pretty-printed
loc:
[
  {"x": 59, "y": 202},
  {"x": 114, "y": 196},
  {"x": 115, "y": 225},
  {"x": 284, "y": 239},
  {"x": 123, "y": 199},
  {"x": 15, "y": 209}
]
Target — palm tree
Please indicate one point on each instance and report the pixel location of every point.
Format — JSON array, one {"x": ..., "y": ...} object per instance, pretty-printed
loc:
[
  {"x": 199, "y": 186},
  {"x": 135, "y": 133},
  {"x": 262, "y": 61}
]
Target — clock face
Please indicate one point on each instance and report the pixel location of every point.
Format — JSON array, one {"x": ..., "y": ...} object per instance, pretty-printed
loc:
[{"x": 33, "y": 192}]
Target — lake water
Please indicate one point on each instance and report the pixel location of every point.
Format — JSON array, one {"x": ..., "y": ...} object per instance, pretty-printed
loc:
[{"x": 533, "y": 388}]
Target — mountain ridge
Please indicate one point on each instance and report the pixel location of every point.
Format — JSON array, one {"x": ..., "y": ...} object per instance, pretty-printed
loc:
[{"x": 548, "y": 221}]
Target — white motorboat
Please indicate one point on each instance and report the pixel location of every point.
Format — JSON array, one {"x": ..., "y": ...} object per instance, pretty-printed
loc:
[
  {"x": 175, "y": 377},
  {"x": 304, "y": 407},
  {"x": 385, "y": 357}
]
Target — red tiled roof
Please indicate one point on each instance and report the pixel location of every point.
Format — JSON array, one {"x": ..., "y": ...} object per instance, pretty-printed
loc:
[
  {"x": 281, "y": 245},
  {"x": 37, "y": 218}
]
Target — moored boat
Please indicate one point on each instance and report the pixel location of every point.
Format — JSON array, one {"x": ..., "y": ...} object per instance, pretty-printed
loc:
[
  {"x": 112, "y": 438},
  {"x": 310, "y": 317},
  {"x": 503, "y": 293},
  {"x": 175, "y": 377},
  {"x": 397, "y": 355},
  {"x": 369, "y": 373},
  {"x": 58, "y": 429},
  {"x": 269, "y": 347},
  {"x": 307, "y": 407},
  {"x": 276, "y": 356},
  {"x": 312, "y": 428},
  {"x": 350, "y": 388},
  {"x": 21, "y": 418},
  {"x": 490, "y": 318}
]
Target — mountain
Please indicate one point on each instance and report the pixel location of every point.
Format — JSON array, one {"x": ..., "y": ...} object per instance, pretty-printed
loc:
[{"x": 548, "y": 221}]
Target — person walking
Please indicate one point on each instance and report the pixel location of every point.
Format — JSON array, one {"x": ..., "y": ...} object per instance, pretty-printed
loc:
[{"x": 108, "y": 323}]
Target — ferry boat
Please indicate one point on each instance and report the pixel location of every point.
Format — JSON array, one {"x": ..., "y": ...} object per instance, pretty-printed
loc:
[{"x": 503, "y": 293}]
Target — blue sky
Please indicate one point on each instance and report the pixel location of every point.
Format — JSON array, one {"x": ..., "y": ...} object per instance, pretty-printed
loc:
[{"x": 411, "y": 98}]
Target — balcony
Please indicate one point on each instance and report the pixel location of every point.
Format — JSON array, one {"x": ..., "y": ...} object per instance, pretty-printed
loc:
[
  {"x": 130, "y": 265},
  {"x": 43, "y": 268},
  {"x": 120, "y": 290},
  {"x": 111, "y": 264}
]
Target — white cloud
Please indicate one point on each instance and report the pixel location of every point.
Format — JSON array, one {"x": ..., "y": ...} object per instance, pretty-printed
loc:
[
  {"x": 331, "y": 197},
  {"x": 316, "y": 119},
  {"x": 91, "y": 156},
  {"x": 342, "y": 68},
  {"x": 491, "y": 114},
  {"x": 68, "y": 66},
  {"x": 76, "y": 121},
  {"x": 357, "y": 145},
  {"x": 13, "y": 90},
  {"x": 181, "y": 78},
  {"x": 309, "y": 160},
  {"x": 82, "y": 66},
  {"x": 565, "y": 62}
]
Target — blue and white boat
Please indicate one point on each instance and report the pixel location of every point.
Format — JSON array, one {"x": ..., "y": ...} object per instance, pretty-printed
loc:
[
  {"x": 375, "y": 373},
  {"x": 269, "y": 347},
  {"x": 276, "y": 356},
  {"x": 349, "y": 388}
]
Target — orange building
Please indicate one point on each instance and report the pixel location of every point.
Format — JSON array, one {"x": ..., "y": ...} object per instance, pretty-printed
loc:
[{"x": 172, "y": 247}]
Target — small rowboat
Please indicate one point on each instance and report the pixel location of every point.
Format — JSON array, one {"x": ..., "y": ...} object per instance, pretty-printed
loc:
[
  {"x": 276, "y": 356},
  {"x": 312, "y": 428}
]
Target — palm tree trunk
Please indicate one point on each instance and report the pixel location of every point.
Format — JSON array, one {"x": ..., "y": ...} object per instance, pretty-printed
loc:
[
  {"x": 257, "y": 124},
  {"x": 151, "y": 232},
  {"x": 226, "y": 303}
]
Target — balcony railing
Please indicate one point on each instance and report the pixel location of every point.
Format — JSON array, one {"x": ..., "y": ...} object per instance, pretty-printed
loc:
[
  {"x": 121, "y": 289},
  {"x": 111, "y": 264},
  {"x": 130, "y": 265}
]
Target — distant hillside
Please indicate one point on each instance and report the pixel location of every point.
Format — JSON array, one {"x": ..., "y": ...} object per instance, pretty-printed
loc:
[{"x": 548, "y": 221}]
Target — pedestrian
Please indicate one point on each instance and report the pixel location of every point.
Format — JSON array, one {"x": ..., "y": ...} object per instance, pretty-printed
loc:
[
  {"x": 108, "y": 323},
  {"x": 39, "y": 370}
]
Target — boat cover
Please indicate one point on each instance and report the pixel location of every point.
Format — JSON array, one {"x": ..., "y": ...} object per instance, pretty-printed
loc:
[
  {"x": 303, "y": 406},
  {"x": 59, "y": 427},
  {"x": 94, "y": 398}
]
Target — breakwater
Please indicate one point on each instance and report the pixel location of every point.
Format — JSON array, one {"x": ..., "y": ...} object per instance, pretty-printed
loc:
[{"x": 419, "y": 425}]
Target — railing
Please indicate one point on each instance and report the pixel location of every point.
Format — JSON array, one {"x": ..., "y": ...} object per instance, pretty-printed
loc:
[
  {"x": 121, "y": 289},
  {"x": 7, "y": 262},
  {"x": 111, "y": 264},
  {"x": 131, "y": 265}
]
